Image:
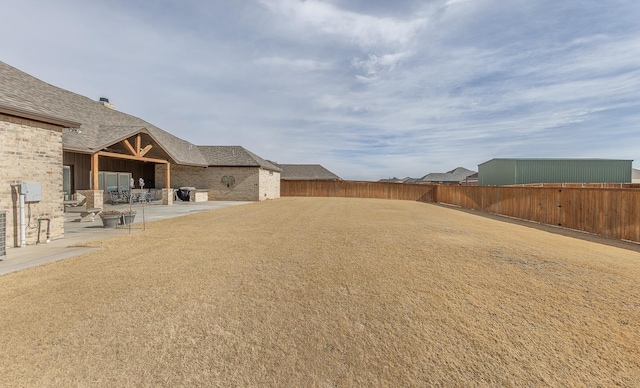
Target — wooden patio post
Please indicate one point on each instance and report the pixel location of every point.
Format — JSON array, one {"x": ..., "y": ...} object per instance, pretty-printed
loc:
[
  {"x": 94, "y": 197},
  {"x": 94, "y": 171},
  {"x": 167, "y": 178},
  {"x": 167, "y": 192}
]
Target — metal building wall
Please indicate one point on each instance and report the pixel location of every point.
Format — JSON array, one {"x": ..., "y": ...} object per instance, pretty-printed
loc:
[{"x": 499, "y": 172}]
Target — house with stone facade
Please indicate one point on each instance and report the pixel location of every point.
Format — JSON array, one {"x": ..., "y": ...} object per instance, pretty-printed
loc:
[
  {"x": 30, "y": 151},
  {"x": 99, "y": 150}
]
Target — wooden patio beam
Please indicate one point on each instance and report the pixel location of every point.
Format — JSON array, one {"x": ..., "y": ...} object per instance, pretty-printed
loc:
[
  {"x": 138, "y": 144},
  {"x": 131, "y": 157},
  {"x": 146, "y": 149},
  {"x": 130, "y": 147}
]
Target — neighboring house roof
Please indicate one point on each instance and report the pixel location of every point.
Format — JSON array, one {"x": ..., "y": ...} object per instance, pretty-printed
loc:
[
  {"x": 635, "y": 173},
  {"x": 393, "y": 180},
  {"x": 100, "y": 125},
  {"x": 401, "y": 180},
  {"x": 456, "y": 175},
  {"x": 234, "y": 156},
  {"x": 306, "y": 172}
]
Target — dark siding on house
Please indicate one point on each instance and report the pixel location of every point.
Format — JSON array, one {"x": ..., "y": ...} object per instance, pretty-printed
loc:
[{"x": 81, "y": 167}]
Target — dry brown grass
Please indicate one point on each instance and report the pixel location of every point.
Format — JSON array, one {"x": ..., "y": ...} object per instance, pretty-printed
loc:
[{"x": 327, "y": 292}]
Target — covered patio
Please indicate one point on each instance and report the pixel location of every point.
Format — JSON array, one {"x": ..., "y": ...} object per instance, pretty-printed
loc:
[{"x": 123, "y": 169}]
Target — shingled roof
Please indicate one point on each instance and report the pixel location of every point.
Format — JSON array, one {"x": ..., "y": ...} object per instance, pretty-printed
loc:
[
  {"x": 306, "y": 172},
  {"x": 456, "y": 175},
  {"x": 100, "y": 125},
  {"x": 234, "y": 156}
]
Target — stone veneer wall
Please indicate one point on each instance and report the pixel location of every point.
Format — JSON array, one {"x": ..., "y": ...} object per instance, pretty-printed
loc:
[
  {"x": 269, "y": 184},
  {"x": 223, "y": 183},
  {"x": 31, "y": 151}
]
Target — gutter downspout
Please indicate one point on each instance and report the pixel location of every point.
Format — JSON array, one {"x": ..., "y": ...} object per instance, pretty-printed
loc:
[{"x": 23, "y": 222}]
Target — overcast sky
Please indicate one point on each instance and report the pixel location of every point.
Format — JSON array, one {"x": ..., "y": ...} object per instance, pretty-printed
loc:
[{"x": 368, "y": 88}]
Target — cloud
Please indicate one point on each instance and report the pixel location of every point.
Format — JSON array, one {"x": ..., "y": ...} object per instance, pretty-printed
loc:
[
  {"x": 295, "y": 64},
  {"x": 368, "y": 88},
  {"x": 375, "y": 64},
  {"x": 360, "y": 29}
]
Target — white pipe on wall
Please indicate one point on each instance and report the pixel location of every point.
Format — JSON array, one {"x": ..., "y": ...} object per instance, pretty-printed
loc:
[{"x": 23, "y": 223}]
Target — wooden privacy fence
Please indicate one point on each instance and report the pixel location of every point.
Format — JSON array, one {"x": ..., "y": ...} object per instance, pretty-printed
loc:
[
  {"x": 611, "y": 212},
  {"x": 355, "y": 189}
]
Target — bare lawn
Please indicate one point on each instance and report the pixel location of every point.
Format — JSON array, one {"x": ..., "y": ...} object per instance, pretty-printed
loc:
[{"x": 327, "y": 292}]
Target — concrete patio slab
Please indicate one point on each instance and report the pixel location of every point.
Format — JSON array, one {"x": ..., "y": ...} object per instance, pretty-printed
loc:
[{"x": 77, "y": 232}]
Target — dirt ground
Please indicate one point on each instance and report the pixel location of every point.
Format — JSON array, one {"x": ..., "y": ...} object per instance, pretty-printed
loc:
[{"x": 327, "y": 292}]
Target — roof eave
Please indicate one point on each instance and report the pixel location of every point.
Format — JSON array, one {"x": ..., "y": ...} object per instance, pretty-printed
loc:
[
  {"x": 146, "y": 131},
  {"x": 192, "y": 164},
  {"x": 234, "y": 165},
  {"x": 12, "y": 111},
  {"x": 121, "y": 138},
  {"x": 78, "y": 150}
]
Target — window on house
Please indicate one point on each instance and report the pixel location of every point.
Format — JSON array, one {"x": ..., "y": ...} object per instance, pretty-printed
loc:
[
  {"x": 66, "y": 182},
  {"x": 114, "y": 182}
]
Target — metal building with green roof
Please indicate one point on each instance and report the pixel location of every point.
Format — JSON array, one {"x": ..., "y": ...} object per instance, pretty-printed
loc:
[{"x": 503, "y": 172}]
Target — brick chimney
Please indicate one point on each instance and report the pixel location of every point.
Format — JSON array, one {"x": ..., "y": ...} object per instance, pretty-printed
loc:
[{"x": 105, "y": 101}]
